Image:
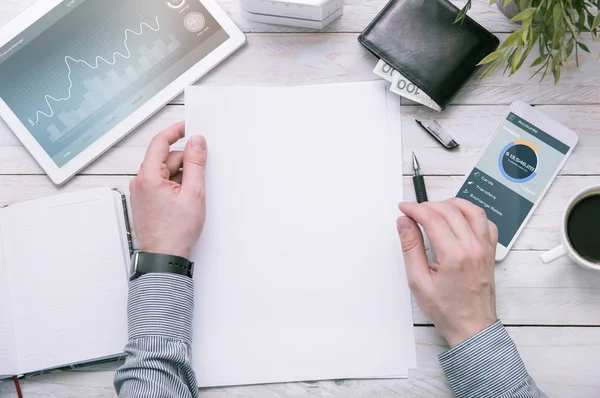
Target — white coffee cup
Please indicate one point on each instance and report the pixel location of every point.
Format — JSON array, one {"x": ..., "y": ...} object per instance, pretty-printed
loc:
[{"x": 566, "y": 248}]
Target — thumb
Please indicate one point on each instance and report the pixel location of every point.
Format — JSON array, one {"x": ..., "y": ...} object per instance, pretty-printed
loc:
[
  {"x": 413, "y": 248},
  {"x": 194, "y": 165}
]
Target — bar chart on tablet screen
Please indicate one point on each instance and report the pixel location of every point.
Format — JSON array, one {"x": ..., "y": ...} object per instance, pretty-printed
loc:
[{"x": 89, "y": 64}]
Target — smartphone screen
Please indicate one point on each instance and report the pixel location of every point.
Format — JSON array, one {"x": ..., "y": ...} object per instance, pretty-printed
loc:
[{"x": 513, "y": 173}]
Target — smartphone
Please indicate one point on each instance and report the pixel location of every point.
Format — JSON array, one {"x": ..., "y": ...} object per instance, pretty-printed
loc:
[{"x": 516, "y": 168}]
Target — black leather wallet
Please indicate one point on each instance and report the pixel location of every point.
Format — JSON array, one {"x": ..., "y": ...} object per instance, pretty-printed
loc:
[{"x": 420, "y": 40}]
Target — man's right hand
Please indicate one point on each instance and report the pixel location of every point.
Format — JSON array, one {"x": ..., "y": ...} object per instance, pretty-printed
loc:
[{"x": 457, "y": 293}]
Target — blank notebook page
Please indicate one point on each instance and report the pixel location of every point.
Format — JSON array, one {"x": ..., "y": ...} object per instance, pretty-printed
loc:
[
  {"x": 8, "y": 356},
  {"x": 299, "y": 273},
  {"x": 66, "y": 259}
]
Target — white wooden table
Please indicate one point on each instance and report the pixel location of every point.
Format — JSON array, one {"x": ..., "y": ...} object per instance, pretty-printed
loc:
[{"x": 552, "y": 311}]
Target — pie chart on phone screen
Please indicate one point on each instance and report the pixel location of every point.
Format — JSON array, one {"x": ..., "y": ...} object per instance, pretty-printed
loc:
[{"x": 519, "y": 161}]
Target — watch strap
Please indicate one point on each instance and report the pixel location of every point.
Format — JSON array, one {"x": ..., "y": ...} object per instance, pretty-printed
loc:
[{"x": 146, "y": 263}]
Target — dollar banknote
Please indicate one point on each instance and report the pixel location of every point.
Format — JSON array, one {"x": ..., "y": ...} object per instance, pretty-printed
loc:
[{"x": 402, "y": 86}]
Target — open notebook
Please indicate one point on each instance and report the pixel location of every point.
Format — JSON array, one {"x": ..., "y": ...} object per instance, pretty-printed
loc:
[{"x": 63, "y": 281}]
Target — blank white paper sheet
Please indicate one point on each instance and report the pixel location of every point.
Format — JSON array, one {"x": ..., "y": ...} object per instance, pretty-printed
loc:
[{"x": 299, "y": 272}]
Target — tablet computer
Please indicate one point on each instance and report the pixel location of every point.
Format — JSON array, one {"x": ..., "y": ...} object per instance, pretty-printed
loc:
[{"x": 77, "y": 75}]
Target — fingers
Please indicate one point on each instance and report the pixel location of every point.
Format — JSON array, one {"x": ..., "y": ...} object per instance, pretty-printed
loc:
[
  {"x": 493, "y": 230},
  {"x": 440, "y": 235},
  {"x": 174, "y": 162},
  {"x": 158, "y": 151},
  {"x": 475, "y": 216},
  {"x": 178, "y": 177},
  {"x": 194, "y": 164},
  {"x": 413, "y": 249},
  {"x": 456, "y": 221}
]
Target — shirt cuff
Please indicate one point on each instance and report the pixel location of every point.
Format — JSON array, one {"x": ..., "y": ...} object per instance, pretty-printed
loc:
[
  {"x": 486, "y": 365},
  {"x": 161, "y": 305}
]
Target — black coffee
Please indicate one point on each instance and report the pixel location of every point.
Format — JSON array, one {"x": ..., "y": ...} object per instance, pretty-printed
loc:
[{"x": 583, "y": 228}]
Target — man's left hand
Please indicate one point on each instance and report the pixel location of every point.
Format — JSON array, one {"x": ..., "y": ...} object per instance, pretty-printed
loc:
[{"x": 168, "y": 203}]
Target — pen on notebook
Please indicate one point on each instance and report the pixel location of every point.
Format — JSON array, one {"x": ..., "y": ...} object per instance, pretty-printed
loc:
[{"x": 421, "y": 194}]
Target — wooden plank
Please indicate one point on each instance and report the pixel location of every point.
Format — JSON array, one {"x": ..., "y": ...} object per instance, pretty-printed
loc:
[
  {"x": 471, "y": 125},
  {"x": 563, "y": 362},
  {"x": 528, "y": 292},
  {"x": 357, "y": 15}
]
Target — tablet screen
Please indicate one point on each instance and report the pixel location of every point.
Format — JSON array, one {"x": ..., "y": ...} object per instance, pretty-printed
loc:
[{"x": 88, "y": 64}]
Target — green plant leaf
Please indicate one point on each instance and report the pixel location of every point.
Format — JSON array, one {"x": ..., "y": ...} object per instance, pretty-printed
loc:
[
  {"x": 514, "y": 59},
  {"x": 569, "y": 23},
  {"x": 556, "y": 39},
  {"x": 538, "y": 61},
  {"x": 596, "y": 21},
  {"x": 583, "y": 47},
  {"x": 511, "y": 39},
  {"x": 461, "y": 15},
  {"x": 490, "y": 58},
  {"x": 570, "y": 46},
  {"x": 541, "y": 44},
  {"x": 523, "y": 15},
  {"x": 581, "y": 20},
  {"x": 551, "y": 25},
  {"x": 526, "y": 31},
  {"x": 548, "y": 29},
  {"x": 488, "y": 71},
  {"x": 548, "y": 17},
  {"x": 545, "y": 66},
  {"x": 557, "y": 14},
  {"x": 536, "y": 33},
  {"x": 525, "y": 55},
  {"x": 556, "y": 74},
  {"x": 556, "y": 61}
]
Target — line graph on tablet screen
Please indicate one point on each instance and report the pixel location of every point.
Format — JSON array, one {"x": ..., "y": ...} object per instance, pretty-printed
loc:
[
  {"x": 87, "y": 65},
  {"x": 102, "y": 88},
  {"x": 125, "y": 55}
]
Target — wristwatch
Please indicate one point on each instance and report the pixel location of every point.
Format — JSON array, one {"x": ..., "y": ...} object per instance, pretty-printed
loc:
[{"x": 146, "y": 263}]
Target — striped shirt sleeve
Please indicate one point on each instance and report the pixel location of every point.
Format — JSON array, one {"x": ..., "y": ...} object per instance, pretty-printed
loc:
[
  {"x": 158, "y": 363},
  {"x": 488, "y": 365}
]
